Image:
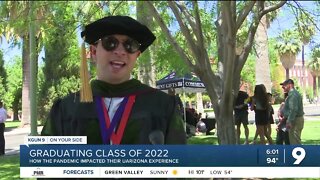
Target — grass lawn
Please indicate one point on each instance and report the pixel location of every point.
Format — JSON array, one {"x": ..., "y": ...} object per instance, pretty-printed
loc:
[
  {"x": 10, "y": 167},
  {"x": 15, "y": 124},
  {"x": 310, "y": 135},
  {"x": 12, "y": 124}
]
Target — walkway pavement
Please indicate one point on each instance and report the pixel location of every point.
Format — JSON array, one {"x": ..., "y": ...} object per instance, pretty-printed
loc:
[
  {"x": 15, "y": 137},
  {"x": 16, "y": 131}
]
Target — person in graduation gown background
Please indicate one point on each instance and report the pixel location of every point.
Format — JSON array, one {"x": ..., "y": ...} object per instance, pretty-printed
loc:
[{"x": 116, "y": 108}]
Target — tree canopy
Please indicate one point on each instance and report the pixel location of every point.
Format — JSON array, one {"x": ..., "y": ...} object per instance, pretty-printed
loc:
[{"x": 213, "y": 39}]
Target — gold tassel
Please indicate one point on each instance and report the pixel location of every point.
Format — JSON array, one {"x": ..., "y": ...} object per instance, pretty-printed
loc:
[{"x": 85, "y": 88}]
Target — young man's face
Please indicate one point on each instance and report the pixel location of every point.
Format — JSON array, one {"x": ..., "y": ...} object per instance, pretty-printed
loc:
[{"x": 114, "y": 66}]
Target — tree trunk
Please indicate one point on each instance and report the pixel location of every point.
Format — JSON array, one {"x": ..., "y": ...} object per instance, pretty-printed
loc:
[
  {"x": 199, "y": 102},
  {"x": 318, "y": 89},
  {"x": 287, "y": 73},
  {"x": 225, "y": 126},
  {"x": 262, "y": 61},
  {"x": 15, "y": 112},
  {"x": 16, "y": 104},
  {"x": 146, "y": 70},
  {"x": 25, "y": 82},
  {"x": 33, "y": 70},
  {"x": 303, "y": 75},
  {"x": 227, "y": 56},
  {"x": 315, "y": 94},
  {"x": 303, "y": 84}
]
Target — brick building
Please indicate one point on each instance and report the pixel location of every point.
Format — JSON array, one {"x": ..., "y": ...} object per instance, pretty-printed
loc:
[{"x": 296, "y": 72}]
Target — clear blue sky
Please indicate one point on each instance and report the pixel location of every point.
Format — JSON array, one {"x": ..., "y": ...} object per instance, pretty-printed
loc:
[{"x": 8, "y": 52}]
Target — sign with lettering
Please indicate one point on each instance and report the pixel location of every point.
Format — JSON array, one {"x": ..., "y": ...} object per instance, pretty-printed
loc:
[
  {"x": 168, "y": 161},
  {"x": 188, "y": 83}
]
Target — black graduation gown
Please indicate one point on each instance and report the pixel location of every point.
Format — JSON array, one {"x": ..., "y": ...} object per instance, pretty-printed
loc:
[{"x": 152, "y": 110}]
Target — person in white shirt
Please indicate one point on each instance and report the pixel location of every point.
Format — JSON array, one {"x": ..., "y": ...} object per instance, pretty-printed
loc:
[{"x": 3, "y": 118}]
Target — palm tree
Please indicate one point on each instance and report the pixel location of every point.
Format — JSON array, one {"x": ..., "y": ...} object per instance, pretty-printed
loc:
[
  {"x": 263, "y": 75},
  {"x": 314, "y": 67},
  {"x": 288, "y": 47},
  {"x": 306, "y": 28},
  {"x": 16, "y": 30}
]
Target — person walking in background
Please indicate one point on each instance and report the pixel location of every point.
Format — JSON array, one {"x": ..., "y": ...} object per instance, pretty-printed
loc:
[
  {"x": 270, "y": 115},
  {"x": 3, "y": 118},
  {"x": 293, "y": 111},
  {"x": 122, "y": 110},
  {"x": 241, "y": 115},
  {"x": 282, "y": 132},
  {"x": 260, "y": 104}
]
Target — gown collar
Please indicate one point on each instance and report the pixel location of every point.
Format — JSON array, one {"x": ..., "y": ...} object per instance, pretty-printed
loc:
[{"x": 104, "y": 89}]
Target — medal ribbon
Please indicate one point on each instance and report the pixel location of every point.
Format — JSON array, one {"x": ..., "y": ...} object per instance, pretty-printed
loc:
[{"x": 120, "y": 119}]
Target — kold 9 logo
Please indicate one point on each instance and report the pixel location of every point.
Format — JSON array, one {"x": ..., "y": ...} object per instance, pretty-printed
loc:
[
  {"x": 38, "y": 172},
  {"x": 298, "y": 153}
]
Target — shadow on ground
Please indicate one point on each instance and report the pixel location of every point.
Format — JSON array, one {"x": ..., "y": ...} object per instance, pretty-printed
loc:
[
  {"x": 8, "y": 129},
  {"x": 12, "y": 151}
]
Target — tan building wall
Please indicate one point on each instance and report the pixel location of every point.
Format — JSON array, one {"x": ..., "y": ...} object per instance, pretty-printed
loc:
[{"x": 296, "y": 72}]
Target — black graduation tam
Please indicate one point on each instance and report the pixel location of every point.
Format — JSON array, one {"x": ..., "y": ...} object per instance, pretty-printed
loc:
[{"x": 118, "y": 25}]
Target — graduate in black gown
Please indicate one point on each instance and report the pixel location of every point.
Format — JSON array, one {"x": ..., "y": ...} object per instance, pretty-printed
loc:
[{"x": 121, "y": 109}]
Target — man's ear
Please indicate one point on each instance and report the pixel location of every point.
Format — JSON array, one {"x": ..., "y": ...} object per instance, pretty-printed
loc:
[{"x": 93, "y": 52}]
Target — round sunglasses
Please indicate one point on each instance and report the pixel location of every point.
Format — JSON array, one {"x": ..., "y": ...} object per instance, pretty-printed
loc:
[{"x": 110, "y": 43}]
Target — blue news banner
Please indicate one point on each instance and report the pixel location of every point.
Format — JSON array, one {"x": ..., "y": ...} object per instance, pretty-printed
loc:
[{"x": 169, "y": 156}]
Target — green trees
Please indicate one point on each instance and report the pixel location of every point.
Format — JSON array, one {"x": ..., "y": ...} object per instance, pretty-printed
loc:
[
  {"x": 202, "y": 37},
  {"x": 314, "y": 67},
  {"x": 146, "y": 68},
  {"x": 222, "y": 82},
  {"x": 16, "y": 30},
  {"x": 306, "y": 27},
  {"x": 277, "y": 73},
  {"x": 61, "y": 60},
  {"x": 3, "y": 78},
  {"x": 14, "y": 84}
]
